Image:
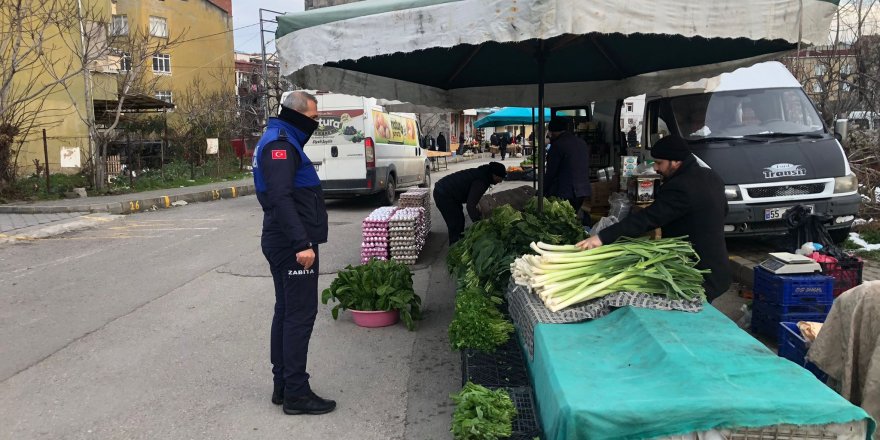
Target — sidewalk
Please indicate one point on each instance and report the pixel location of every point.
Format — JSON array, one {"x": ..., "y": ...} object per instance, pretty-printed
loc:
[
  {"x": 135, "y": 202},
  {"x": 165, "y": 198}
]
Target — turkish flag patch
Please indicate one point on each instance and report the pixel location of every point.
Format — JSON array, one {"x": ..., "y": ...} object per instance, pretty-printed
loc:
[{"x": 279, "y": 154}]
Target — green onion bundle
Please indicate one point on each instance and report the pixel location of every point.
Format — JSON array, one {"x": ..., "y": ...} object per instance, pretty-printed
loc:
[{"x": 565, "y": 275}]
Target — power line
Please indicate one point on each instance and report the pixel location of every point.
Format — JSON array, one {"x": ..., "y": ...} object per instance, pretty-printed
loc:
[{"x": 216, "y": 34}]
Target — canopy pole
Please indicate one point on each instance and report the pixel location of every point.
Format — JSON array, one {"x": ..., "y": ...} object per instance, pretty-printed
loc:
[
  {"x": 534, "y": 152},
  {"x": 541, "y": 141}
]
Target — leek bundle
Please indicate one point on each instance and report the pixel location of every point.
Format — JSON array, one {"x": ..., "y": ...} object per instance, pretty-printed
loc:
[{"x": 564, "y": 275}]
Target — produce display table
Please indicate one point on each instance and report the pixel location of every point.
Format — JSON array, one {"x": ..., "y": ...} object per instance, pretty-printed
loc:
[
  {"x": 435, "y": 157},
  {"x": 641, "y": 373}
]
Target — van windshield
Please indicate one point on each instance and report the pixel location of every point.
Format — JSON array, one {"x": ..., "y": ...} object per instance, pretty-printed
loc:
[{"x": 745, "y": 113}]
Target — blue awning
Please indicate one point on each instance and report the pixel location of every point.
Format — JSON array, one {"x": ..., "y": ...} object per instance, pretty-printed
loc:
[{"x": 512, "y": 116}]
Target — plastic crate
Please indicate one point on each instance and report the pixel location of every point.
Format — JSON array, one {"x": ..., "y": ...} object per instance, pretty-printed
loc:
[
  {"x": 502, "y": 368},
  {"x": 792, "y": 289},
  {"x": 793, "y": 347},
  {"x": 525, "y": 425},
  {"x": 778, "y": 310},
  {"x": 846, "y": 274},
  {"x": 766, "y": 317}
]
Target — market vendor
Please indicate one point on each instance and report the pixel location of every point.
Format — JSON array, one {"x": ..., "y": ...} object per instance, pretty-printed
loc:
[
  {"x": 465, "y": 186},
  {"x": 691, "y": 202}
]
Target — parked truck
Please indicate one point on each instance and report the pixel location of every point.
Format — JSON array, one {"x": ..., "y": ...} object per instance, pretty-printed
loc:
[{"x": 760, "y": 132}]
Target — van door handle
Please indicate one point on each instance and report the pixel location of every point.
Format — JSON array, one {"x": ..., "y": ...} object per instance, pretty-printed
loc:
[{"x": 334, "y": 151}]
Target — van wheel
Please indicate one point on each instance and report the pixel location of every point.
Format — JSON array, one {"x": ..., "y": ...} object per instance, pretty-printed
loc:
[
  {"x": 427, "y": 183},
  {"x": 839, "y": 235},
  {"x": 389, "y": 196}
]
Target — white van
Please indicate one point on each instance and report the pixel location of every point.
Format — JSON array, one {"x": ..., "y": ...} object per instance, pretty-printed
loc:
[
  {"x": 360, "y": 149},
  {"x": 760, "y": 132}
]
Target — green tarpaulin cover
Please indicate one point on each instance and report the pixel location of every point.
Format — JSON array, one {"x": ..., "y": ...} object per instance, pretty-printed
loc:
[{"x": 640, "y": 373}]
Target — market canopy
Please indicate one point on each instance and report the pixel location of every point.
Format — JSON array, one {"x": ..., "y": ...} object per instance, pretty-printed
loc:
[
  {"x": 458, "y": 54},
  {"x": 511, "y": 116}
]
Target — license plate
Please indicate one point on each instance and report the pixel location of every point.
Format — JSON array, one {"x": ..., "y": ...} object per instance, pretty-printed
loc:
[
  {"x": 776, "y": 213},
  {"x": 317, "y": 166}
]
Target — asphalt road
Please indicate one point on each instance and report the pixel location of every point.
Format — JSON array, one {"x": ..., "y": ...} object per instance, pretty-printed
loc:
[{"x": 156, "y": 325}]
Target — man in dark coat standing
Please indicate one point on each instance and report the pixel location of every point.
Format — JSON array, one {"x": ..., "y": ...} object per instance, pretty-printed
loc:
[
  {"x": 568, "y": 166},
  {"x": 441, "y": 142},
  {"x": 690, "y": 202},
  {"x": 632, "y": 138},
  {"x": 465, "y": 186}
]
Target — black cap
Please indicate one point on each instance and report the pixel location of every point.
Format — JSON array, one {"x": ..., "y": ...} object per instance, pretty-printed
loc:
[
  {"x": 497, "y": 169},
  {"x": 557, "y": 125},
  {"x": 670, "y": 148}
]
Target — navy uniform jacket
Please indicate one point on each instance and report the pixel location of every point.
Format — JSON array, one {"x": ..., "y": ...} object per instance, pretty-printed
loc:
[
  {"x": 287, "y": 186},
  {"x": 568, "y": 168},
  {"x": 691, "y": 202}
]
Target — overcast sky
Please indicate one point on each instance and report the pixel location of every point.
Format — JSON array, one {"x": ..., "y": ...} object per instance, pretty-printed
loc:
[{"x": 245, "y": 13}]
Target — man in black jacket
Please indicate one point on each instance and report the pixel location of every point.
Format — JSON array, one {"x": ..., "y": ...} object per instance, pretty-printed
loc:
[
  {"x": 568, "y": 166},
  {"x": 690, "y": 202},
  {"x": 294, "y": 223},
  {"x": 465, "y": 186},
  {"x": 441, "y": 142}
]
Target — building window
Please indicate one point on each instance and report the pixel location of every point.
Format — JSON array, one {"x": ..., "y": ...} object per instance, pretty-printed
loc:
[
  {"x": 158, "y": 27},
  {"x": 817, "y": 87},
  {"x": 125, "y": 62},
  {"x": 164, "y": 95},
  {"x": 629, "y": 107},
  {"x": 845, "y": 86},
  {"x": 846, "y": 69},
  {"x": 119, "y": 25},
  {"x": 819, "y": 70},
  {"x": 162, "y": 63}
]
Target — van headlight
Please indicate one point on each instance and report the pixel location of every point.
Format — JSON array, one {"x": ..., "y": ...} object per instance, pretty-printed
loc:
[
  {"x": 845, "y": 184},
  {"x": 732, "y": 192}
]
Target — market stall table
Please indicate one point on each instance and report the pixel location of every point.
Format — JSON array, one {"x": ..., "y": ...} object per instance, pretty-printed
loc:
[
  {"x": 435, "y": 159},
  {"x": 642, "y": 373}
]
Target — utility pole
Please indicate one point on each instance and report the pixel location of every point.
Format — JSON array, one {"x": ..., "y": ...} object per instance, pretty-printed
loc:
[
  {"x": 263, "y": 30},
  {"x": 87, "y": 83}
]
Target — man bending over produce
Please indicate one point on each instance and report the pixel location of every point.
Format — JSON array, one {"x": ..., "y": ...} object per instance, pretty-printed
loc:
[
  {"x": 690, "y": 202},
  {"x": 465, "y": 186}
]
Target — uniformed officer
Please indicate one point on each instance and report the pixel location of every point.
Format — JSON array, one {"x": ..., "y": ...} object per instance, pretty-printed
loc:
[{"x": 294, "y": 223}]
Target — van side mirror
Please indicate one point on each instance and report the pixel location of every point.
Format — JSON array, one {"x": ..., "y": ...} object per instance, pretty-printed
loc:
[{"x": 840, "y": 130}]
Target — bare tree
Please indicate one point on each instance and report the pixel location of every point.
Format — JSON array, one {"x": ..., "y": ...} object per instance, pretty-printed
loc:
[
  {"x": 126, "y": 57},
  {"x": 35, "y": 60}
]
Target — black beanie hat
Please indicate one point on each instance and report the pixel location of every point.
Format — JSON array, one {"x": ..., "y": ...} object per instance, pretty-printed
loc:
[
  {"x": 557, "y": 125},
  {"x": 497, "y": 169},
  {"x": 671, "y": 148}
]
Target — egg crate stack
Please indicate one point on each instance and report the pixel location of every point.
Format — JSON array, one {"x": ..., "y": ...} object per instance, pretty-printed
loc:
[
  {"x": 375, "y": 234},
  {"x": 407, "y": 234},
  {"x": 418, "y": 198}
]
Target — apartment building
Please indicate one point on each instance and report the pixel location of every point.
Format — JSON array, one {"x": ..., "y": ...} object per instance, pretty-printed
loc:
[{"x": 189, "y": 39}]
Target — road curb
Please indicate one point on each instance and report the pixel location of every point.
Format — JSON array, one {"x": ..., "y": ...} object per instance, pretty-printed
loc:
[{"x": 135, "y": 204}]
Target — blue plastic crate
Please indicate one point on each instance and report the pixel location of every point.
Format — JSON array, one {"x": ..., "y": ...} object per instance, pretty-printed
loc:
[
  {"x": 766, "y": 317},
  {"x": 792, "y": 289},
  {"x": 776, "y": 310},
  {"x": 793, "y": 347}
]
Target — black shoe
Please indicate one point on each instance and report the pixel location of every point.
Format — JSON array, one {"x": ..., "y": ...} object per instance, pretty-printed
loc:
[
  {"x": 308, "y": 404},
  {"x": 278, "y": 394}
]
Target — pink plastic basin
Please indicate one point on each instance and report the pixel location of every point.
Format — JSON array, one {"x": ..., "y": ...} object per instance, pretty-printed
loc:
[{"x": 375, "y": 319}]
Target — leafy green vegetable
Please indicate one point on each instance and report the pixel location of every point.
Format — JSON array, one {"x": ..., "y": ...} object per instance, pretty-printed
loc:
[
  {"x": 483, "y": 256},
  {"x": 477, "y": 323},
  {"x": 566, "y": 275},
  {"x": 482, "y": 414},
  {"x": 375, "y": 286}
]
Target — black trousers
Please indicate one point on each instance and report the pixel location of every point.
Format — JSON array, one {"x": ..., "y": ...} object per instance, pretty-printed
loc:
[
  {"x": 503, "y": 151},
  {"x": 296, "y": 305},
  {"x": 452, "y": 213}
]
